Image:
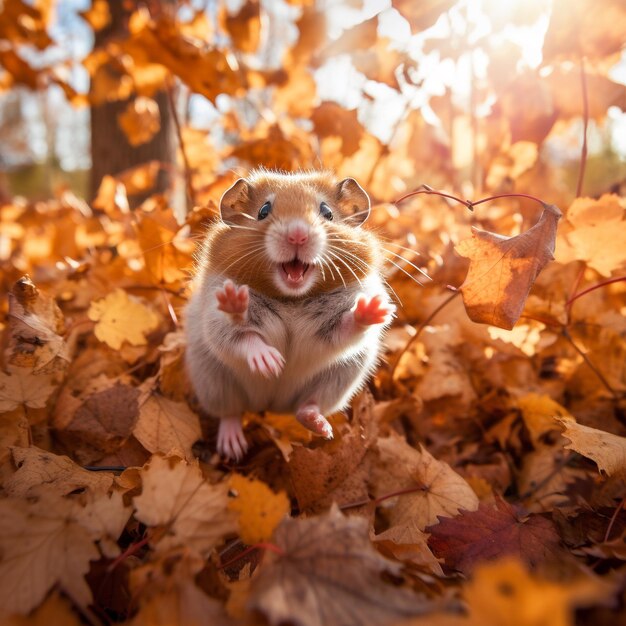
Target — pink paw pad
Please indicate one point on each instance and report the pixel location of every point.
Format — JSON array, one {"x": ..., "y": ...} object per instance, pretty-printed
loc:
[
  {"x": 311, "y": 418},
  {"x": 233, "y": 299},
  {"x": 368, "y": 312},
  {"x": 231, "y": 442},
  {"x": 263, "y": 359}
]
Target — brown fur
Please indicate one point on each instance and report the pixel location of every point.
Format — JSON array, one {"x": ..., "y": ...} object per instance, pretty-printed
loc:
[{"x": 296, "y": 195}]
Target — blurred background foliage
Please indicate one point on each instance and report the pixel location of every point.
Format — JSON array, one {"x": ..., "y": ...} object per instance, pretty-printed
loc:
[{"x": 475, "y": 96}]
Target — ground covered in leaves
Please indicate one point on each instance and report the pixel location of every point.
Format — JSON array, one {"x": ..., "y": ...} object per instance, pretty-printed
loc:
[{"x": 482, "y": 471}]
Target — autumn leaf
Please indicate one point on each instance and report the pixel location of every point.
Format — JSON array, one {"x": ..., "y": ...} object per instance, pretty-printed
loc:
[
  {"x": 593, "y": 231},
  {"x": 490, "y": 533},
  {"x": 328, "y": 573},
  {"x": 505, "y": 593},
  {"x": 438, "y": 490},
  {"x": 120, "y": 317},
  {"x": 244, "y": 27},
  {"x": 35, "y": 326},
  {"x": 140, "y": 121},
  {"x": 42, "y": 545},
  {"x": 39, "y": 472},
  {"x": 164, "y": 425},
  {"x": 607, "y": 450},
  {"x": 503, "y": 269},
  {"x": 538, "y": 412},
  {"x": 189, "y": 511},
  {"x": 98, "y": 16},
  {"x": 24, "y": 389},
  {"x": 259, "y": 509}
]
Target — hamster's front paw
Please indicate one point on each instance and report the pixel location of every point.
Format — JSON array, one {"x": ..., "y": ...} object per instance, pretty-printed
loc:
[
  {"x": 264, "y": 359},
  {"x": 231, "y": 442},
  {"x": 233, "y": 299},
  {"x": 373, "y": 311}
]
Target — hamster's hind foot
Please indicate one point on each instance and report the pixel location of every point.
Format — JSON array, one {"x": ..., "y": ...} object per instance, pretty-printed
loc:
[
  {"x": 310, "y": 417},
  {"x": 231, "y": 442}
]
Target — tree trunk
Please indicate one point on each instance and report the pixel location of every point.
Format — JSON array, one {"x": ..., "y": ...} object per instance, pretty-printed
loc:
[{"x": 110, "y": 151}]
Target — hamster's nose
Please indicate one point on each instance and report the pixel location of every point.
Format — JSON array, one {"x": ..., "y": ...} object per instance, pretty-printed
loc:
[{"x": 297, "y": 233}]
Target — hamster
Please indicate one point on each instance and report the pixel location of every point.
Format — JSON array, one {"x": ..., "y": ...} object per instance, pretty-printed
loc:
[{"x": 289, "y": 305}]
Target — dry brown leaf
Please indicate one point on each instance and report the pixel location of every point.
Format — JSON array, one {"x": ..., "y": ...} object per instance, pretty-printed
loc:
[
  {"x": 140, "y": 121},
  {"x": 120, "y": 317},
  {"x": 503, "y": 269},
  {"x": 189, "y": 511},
  {"x": 42, "y": 545},
  {"x": 607, "y": 450},
  {"x": 21, "y": 388},
  {"x": 35, "y": 327},
  {"x": 40, "y": 472},
  {"x": 594, "y": 231},
  {"x": 328, "y": 573},
  {"x": 439, "y": 490},
  {"x": 164, "y": 425}
]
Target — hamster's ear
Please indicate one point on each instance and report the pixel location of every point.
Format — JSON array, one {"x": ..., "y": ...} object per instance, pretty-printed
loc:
[
  {"x": 353, "y": 200},
  {"x": 234, "y": 200}
]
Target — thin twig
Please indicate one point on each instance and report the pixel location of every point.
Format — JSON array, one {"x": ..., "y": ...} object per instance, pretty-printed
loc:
[
  {"x": 420, "y": 328},
  {"x": 620, "y": 506},
  {"x": 583, "y": 152},
  {"x": 425, "y": 189},
  {"x": 604, "y": 283},
  {"x": 592, "y": 367},
  {"x": 189, "y": 184},
  {"x": 257, "y": 546}
]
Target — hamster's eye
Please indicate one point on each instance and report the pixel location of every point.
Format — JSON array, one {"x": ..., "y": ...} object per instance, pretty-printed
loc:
[
  {"x": 325, "y": 211},
  {"x": 264, "y": 211}
]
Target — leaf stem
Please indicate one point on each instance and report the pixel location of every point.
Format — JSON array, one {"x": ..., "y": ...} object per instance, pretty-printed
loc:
[
  {"x": 179, "y": 133},
  {"x": 257, "y": 546},
  {"x": 619, "y": 507},
  {"x": 584, "y": 292},
  {"x": 592, "y": 367},
  {"x": 583, "y": 151},
  {"x": 420, "y": 328}
]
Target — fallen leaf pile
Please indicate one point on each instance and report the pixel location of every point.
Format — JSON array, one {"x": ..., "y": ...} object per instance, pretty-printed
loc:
[{"x": 479, "y": 479}]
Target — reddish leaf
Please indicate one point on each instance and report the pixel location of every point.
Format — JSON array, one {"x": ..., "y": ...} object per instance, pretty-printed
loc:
[{"x": 491, "y": 533}]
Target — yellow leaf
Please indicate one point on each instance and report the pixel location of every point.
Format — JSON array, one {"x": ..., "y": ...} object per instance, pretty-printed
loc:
[
  {"x": 120, "y": 317},
  {"x": 606, "y": 449},
  {"x": 260, "y": 510},
  {"x": 538, "y": 412}
]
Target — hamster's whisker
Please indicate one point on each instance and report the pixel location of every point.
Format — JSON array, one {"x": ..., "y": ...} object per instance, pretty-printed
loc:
[
  {"x": 323, "y": 273},
  {"x": 351, "y": 241},
  {"x": 338, "y": 272},
  {"x": 397, "y": 245},
  {"x": 255, "y": 250},
  {"x": 399, "y": 256},
  {"x": 360, "y": 263},
  {"x": 322, "y": 260},
  {"x": 405, "y": 272},
  {"x": 340, "y": 258}
]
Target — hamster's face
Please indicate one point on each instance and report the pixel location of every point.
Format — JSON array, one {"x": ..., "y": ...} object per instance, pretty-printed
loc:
[{"x": 304, "y": 229}]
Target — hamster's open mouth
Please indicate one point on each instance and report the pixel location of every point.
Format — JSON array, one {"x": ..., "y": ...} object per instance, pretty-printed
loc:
[{"x": 294, "y": 272}]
